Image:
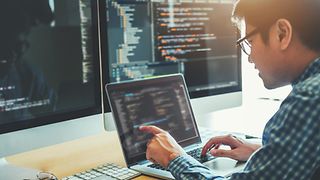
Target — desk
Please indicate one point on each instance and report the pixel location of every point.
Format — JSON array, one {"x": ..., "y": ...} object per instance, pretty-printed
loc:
[
  {"x": 75, "y": 156},
  {"x": 79, "y": 155}
]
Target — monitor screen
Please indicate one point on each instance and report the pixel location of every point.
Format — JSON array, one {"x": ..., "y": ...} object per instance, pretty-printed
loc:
[
  {"x": 49, "y": 64},
  {"x": 146, "y": 38}
]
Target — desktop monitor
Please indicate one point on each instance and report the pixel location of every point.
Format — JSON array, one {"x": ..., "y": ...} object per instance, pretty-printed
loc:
[
  {"x": 146, "y": 38},
  {"x": 49, "y": 73}
]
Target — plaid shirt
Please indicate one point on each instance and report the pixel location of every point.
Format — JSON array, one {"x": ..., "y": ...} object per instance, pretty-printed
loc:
[{"x": 291, "y": 139}]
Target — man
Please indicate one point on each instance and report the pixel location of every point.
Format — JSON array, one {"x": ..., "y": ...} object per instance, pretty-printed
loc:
[{"x": 282, "y": 40}]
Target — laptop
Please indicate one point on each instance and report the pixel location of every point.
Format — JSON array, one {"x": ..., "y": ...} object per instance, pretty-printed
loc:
[{"x": 162, "y": 102}]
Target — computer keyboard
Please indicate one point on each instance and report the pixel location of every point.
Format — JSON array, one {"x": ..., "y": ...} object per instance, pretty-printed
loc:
[{"x": 105, "y": 172}]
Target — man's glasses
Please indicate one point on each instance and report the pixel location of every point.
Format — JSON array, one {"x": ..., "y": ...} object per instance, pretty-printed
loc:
[{"x": 245, "y": 44}]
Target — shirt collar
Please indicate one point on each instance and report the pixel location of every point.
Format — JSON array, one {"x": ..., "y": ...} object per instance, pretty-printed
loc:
[{"x": 312, "y": 69}]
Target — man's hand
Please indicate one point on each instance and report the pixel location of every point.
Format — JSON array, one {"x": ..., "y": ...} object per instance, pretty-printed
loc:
[
  {"x": 162, "y": 148},
  {"x": 240, "y": 150}
]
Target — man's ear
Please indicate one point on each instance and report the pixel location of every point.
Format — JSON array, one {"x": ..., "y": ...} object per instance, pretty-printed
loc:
[{"x": 284, "y": 33}]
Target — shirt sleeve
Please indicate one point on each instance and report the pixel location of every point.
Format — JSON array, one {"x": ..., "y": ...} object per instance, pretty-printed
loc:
[
  {"x": 291, "y": 151},
  {"x": 186, "y": 167},
  {"x": 292, "y": 146}
]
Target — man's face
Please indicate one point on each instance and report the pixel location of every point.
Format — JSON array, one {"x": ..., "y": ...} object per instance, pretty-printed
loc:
[{"x": 267, "y": 59}]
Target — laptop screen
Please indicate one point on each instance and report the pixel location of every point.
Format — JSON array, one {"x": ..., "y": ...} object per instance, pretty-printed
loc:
[{"x": 162, "y": 102}]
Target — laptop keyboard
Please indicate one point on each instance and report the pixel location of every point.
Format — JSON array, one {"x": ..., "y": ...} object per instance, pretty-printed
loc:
[
  {"x": 195, "y": 153},
  {"x": 157, "y": 166},
  {"x": 105, "y": 172}
]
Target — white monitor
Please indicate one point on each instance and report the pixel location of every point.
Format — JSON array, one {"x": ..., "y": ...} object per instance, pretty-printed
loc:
[
  {"x": 50, "y": 86},
  {"x": 145, "y": 38}
]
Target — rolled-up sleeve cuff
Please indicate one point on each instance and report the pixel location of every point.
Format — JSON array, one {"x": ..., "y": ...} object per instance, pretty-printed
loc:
[
  {"x": 186, "y": 167},
  {"x": 182, "y": 163}
]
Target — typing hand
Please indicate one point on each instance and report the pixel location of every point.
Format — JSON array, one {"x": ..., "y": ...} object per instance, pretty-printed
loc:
[
  {"x": 240, "y": 150},
  {"x": 162, "y": 148}
]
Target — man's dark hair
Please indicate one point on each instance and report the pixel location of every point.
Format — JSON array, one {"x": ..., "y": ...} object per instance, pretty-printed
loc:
[{"x": 303, "y": 15}]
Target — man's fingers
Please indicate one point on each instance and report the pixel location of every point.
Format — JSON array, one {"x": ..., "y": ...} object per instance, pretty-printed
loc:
[
  {"x": 225, "y": 140},
  {"x": 205, "y": 149},
  {"x": 222, "y": 153},
  {"x": 151, "y": 129},
  {"x": 148, "y": 154}
]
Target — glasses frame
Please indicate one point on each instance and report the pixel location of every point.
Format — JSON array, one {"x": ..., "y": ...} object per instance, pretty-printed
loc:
[{"x": 244, "y": 44}]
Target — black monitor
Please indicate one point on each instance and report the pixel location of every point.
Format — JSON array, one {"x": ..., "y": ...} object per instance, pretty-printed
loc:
[
  {"x": 49, "y": 72},
  {"x": 146, "y": 38}
]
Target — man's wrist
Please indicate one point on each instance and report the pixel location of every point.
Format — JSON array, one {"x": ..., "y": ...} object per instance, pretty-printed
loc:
[{"x": 171, "y": 157}]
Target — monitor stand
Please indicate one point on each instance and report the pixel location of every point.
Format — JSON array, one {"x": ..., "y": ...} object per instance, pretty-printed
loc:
[{"x": 10, "y": 171}]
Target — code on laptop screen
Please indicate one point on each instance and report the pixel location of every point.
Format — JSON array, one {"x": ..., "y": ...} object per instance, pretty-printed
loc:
[{"x": 164, "y": 105}]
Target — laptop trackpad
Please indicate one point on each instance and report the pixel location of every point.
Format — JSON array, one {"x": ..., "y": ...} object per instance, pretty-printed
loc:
[{"x": 224, "y": 166}]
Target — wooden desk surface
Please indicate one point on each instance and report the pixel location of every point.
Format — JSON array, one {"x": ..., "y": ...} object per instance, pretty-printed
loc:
[{"x": 75, "y": 156}]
